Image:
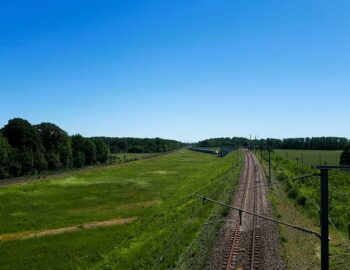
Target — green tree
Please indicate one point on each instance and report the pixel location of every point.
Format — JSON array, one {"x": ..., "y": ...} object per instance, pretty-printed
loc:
[
  {"x": 345, "y": 156},
  {"x": 102, "y": 150},
  {"x": 28, "y": 154},
  {"x": 5, "y": 155},
  {"x": 57, "y": 144},
  {"x": 90, "y": 152},
  {"x": 78, "y": 146}
]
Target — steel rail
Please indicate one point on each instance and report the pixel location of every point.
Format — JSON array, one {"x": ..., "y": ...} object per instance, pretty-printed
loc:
[
  {"x": 230, "y": 261},
  {"x": 260, "y": 216}
]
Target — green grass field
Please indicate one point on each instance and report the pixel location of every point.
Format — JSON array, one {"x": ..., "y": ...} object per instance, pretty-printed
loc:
[
  {"x": 127, "y": 157},
  {"x": 311, "y": 157},
  {"x": 159, "y": 192}
]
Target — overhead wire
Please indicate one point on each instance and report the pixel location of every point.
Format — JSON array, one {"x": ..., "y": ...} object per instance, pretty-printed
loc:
[
  {"x": 332, "y": 223},
  {"x": 177, "y": 237},
  {"x": 340, "y": 235},
  {"x": 330, "y": 220}
]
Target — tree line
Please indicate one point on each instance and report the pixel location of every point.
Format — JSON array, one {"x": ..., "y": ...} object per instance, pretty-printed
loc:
[
  {"x": 314, "y": 143},
  {"x": 137, "y": 145},
  {"x": 29, "y": 149},
  {"x": 237, "y": 142}
]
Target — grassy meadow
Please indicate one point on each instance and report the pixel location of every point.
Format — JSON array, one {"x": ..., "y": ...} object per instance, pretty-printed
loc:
[
  {"x": 311, "y": 157},
  {"x": 158, "y": 193},
  {"x": 127, "y": 157}
]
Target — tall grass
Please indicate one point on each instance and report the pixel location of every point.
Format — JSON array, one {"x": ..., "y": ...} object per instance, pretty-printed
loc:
[{"x": 167, "y": 233}]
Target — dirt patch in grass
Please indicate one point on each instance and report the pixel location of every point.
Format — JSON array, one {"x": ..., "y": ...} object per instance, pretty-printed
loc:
[{"x": 90, "y": 225}]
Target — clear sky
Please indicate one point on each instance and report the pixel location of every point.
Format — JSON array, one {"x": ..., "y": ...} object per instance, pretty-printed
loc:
[{"x": 181, "y": 69}]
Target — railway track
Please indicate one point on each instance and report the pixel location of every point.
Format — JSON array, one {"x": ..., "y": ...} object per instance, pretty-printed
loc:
[{"x": 243, "y": 251}]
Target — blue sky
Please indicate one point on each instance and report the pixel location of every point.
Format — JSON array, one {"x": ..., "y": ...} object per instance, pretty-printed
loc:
[{"x": 181, "y": 69}]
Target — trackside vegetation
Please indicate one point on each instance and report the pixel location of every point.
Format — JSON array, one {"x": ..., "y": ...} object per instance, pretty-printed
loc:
[
  {"x": 298, "y": 202},
  {"x": 167, "y": 231}
]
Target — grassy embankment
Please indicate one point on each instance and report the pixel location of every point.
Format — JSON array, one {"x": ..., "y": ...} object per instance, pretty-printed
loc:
[
  {"x": 168, "y": 231},
  {"x": 311, "y": 157},
  {"x": 296, "y": 202},
  {"x": 127, "y": 157}
]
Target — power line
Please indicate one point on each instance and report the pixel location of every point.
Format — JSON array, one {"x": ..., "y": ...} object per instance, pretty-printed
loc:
[
  {"x": 332, "y": 223},
  {"x": 260, "y": 216},
  {"x": 340, "y": 235},
  {"x": 177, "y": 237},
  {"x": 265, "y": 185}
]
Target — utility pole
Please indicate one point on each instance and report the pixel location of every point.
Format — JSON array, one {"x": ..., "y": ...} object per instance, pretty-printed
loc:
[
  {"x": 324, "y": 220},
  {"x": 250, "y": 142},
  {"x": 269, "y": 165},
  {"x": 324, "y": 207},
  {"x": 255, "y": 144},
  {"x": 269, "y": 149}
]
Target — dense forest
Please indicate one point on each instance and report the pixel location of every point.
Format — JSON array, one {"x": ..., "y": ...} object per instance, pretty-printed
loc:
[
  {"x": 314, "y": 143},
  {"x": 236, "y": 142},
  {"x": 137, "y": 145},
  {"x": 220, "y": 142},
  {"x": 29, "y": 149}
]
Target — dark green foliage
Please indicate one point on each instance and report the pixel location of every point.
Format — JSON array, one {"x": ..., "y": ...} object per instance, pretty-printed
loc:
[
  {"x": 301, "y": 200},
  {"x": 220, "y": 142},
  {"x": 237, "y": 142},
  {"x": 89, "y": 151},
  {"x": 31, "y": 149},
  {"x": 78, "y": 148},
  {"x": 314, "y": 143},
  {"x": 102, "y": 150},
  {"x": 345, "y": 156},
  {"x": 57, "y": 144},
  {"x": 136, "y": 145},
  {"x": 28, "y": 155},
  {"x": 5, "y": 155},
  {"x": 84, "y": 151}
]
